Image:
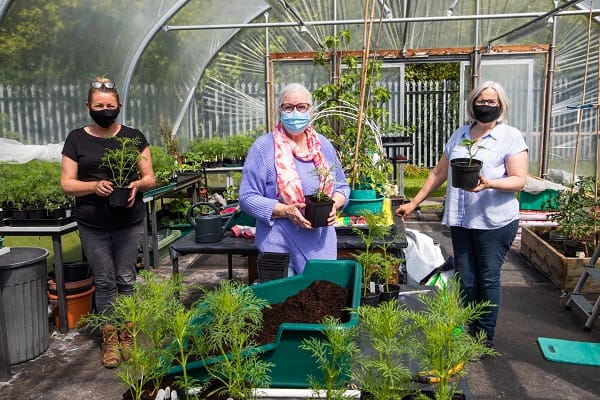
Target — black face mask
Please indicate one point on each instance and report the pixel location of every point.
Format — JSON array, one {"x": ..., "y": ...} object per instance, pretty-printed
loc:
[
  {"x": 486, "y": 114},
  {"x": 105, "y": 117}
]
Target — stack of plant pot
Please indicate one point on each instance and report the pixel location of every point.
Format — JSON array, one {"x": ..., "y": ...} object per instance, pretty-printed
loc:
[{"x": 79, "y": 291}]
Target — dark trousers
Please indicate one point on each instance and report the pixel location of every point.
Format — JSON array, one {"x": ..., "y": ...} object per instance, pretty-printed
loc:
[
  {"x": 112, "y": 255},
  {"x": 478, "y": 258}
]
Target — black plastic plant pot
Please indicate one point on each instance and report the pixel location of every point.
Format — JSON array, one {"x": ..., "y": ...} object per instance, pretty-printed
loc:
[
  {"x": 369, "y": 299},
  {"x": 391, "y": 292},
  {"x": 317, "y": 211},
  {"x": 119, "y": 196},
  {"x": 465, "y": 174}
]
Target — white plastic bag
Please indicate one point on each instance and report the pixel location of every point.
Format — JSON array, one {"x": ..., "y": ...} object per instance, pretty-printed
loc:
[{"x": 422, "y": 256}]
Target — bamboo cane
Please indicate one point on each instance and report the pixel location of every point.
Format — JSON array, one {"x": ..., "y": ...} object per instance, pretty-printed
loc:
[{"x": 367, "y": 30}]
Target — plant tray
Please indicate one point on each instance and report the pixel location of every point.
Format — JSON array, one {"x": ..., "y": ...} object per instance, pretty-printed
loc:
[
  {"x": 159, "y": 190},
  {"x": 292, "y": 364},
  {"x": 38, "y": 222}
]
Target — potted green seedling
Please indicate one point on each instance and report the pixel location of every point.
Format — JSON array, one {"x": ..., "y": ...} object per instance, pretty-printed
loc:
[
  {"x": 121, "y": 159},
  {"x": 382, "y": 373},
  {"x": 370, "y": 259},
  {"x": 465, "y": 171},
  {"x": 319, "y": 204},
  {"x": 152, "y": 312},
  {"x": 334, "y": 357},
  {"x": 443, "y": 348}
]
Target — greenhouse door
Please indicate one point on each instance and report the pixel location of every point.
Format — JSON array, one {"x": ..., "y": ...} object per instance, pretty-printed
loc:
[{"x": 517, "y": 77}]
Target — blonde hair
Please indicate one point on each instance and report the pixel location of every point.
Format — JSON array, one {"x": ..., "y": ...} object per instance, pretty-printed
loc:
[{"x": 104, "y": 89}]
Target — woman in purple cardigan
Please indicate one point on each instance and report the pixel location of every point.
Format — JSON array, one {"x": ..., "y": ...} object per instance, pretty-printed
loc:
[{"x": 279, "y": 171}]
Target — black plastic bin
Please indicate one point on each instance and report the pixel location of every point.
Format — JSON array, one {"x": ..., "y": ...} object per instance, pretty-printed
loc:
[{"x": 25, "y": 302}]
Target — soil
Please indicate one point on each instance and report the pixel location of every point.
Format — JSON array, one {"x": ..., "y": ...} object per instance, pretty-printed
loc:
[{"x": 311, "y": 305}]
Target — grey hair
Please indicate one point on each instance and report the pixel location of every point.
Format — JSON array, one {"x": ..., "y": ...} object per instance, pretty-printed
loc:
[
  {"x": 294, "y": 87},
  {"x": 502, "y": 98}
]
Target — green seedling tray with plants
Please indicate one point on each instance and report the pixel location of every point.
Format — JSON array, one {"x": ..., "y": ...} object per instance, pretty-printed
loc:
[{"x": 291, "y": 364}]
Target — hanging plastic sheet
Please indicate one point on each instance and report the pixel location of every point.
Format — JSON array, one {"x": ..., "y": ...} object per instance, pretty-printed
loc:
[{"x": 13, "y": 151}]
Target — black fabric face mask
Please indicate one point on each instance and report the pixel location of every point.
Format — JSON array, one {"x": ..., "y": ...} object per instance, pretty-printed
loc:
[
  {"x": 105, "y": 117},
  {"x": 486, "y": 114}
]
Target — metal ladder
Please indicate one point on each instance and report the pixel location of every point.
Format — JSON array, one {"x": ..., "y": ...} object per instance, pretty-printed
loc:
[{"x": 591, "y": 310}]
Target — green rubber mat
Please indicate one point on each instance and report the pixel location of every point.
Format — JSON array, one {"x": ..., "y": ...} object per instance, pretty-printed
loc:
[{"x": 570, "y": 351}]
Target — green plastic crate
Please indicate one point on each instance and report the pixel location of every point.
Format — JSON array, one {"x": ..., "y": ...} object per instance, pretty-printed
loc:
[
  {"x": 538, "y": 202},
  {"x": 292, "y": 364}
]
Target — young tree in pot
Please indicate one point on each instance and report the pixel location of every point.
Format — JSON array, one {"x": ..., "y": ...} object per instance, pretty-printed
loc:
[
  {"x": 121, "y": 161},
  {"x": 352, "y": 107},
  {"x": 465, "y": 171},
  {"x": 575, "y": 214}
]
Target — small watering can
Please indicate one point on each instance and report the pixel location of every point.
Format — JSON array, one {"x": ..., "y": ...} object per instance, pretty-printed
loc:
[{"x": 209, "y": 227}]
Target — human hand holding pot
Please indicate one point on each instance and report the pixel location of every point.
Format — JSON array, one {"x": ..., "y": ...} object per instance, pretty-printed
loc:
[{"x": 103, "y": 188}]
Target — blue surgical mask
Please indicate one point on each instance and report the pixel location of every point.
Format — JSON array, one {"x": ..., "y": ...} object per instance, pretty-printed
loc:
[{"x": 295, "y": 122}]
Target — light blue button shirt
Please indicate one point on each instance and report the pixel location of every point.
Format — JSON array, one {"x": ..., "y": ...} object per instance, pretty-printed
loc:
[{"x": 490, "y": 208}]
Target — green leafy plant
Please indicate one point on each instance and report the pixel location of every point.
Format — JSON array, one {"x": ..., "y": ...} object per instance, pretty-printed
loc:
[
  {"x": 444, "y": 348},
  {"x": 149, "y": 310},
  {"x": 35, "y": 183},
  {"x": 333, "y": 356},
  {"x": 382, "y": 373},
  {"x": 230, "y": 317},
  {"x": 390, "y": 262},
  {"x": 575, "y": 211},
  {"x": 121, "y": 159},
  {"x": 472, "y": 150},
  {"x": 370, "y": 260},
  {"x": 163, "y": 164},
  {"x": 231, "y": 193},
  {"x": 178, "y": 207}
]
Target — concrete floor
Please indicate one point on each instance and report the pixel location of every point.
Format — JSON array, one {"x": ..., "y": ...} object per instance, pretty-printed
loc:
[{"x": 532, "y": 307}]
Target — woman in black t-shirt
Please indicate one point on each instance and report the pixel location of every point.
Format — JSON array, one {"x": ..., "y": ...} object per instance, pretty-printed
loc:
[{"x": 110, "y": 236}]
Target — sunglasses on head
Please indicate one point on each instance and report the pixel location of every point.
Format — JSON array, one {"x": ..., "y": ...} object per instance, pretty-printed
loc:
[{"x": 98, "y": 85}]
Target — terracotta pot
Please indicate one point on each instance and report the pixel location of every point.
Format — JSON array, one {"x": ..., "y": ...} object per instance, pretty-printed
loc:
[
  {"x": 72, "y": 287},
  {"x": 78, "y": 305}
]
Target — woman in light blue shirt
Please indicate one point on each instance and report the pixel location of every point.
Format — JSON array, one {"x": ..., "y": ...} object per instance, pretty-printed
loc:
[{"x": 483, "y": 221}]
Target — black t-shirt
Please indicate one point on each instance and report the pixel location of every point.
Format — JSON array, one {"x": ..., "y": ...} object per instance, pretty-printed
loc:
[{"x": 87, "y": 151}]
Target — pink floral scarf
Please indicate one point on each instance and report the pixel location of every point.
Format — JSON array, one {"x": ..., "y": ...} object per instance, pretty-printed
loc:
[{"x": 288, "y": 180}]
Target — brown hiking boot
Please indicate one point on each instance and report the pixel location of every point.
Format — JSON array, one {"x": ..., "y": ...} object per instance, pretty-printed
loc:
[
  {"x": 126, "y": 341},
  {"x": 111, "y": 356}
]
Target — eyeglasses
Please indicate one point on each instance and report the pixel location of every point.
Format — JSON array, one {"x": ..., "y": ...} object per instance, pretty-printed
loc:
[
  {"x": 301, "y": 107},
  {"x": 98, "y": 85},
  {"x": 487, "y": 102}
]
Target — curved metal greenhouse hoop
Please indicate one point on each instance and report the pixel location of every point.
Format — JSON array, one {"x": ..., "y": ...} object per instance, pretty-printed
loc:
[{"x": 347, "y": 110}]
